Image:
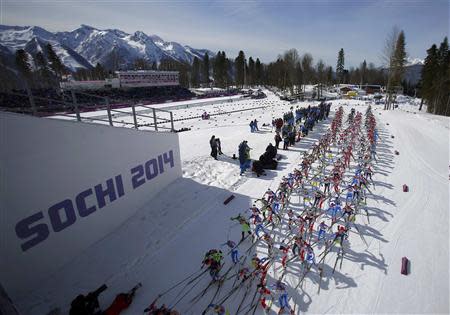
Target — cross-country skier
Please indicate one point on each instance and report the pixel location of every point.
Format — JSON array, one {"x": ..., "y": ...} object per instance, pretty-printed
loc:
[
  {"x": 163, "y": 310},
  {"x": 310, "y": 256},
  {"x": 349, "y": 196},
  {"x": 258, "y": 263},
  {"x": 285, "y": 250},
  {"x": 213, "y": 259},
  {"x": 318, "y": 195},
  {"x": 326, "y": 183},
  {"x": 298, "y": 244},
  {"x": 322, "y": 230},
  {"x": 348, "y": 212},
  {"x": 270, "y": 195},
  {"x": 340, "y": 234},
  {"x": 290, "y": 214},
  {"x": 283, "y": 299},
  {"x": 258, "y": 228},
  {"x": 269, "y": 241},
  {"x": 265, "y": 293},
  {"x": 218, "y": 309},
  {"x": 234, "y": 251},
  {"x": 244, "y": 225},
  {"x": 243, "y": 274}
]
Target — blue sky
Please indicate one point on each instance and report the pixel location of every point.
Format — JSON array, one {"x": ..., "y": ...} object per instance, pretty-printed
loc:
[{"x": 262, "y": 29}]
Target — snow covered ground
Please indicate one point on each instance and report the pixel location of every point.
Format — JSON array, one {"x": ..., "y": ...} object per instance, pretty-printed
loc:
[{"x": 166, "y": 240}]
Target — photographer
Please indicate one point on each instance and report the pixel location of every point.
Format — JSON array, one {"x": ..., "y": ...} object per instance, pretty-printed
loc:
[{"x": 87, "y": 305}]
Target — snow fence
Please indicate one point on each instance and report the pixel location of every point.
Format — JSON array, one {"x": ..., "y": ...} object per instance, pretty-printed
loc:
[{"x": 65, "y": 185}]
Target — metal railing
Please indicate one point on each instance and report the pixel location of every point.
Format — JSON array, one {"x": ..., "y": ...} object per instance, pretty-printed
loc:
[{"x": 74, "y": 109}]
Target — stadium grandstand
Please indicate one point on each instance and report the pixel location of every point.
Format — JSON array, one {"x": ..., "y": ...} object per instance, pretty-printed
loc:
[
  {"x": 126, "y": 79},
  {"x": 129, "y": 88}
]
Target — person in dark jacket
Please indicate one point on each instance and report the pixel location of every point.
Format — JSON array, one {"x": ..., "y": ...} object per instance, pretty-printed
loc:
[
  {"x": 257, "y": 168},
  {"x": 271, "y": 151},
  {"x": 285, "y": 141},
  {"x": 252, "y": 126},
  {"x": 244, "y": 156},
  {"x": 219, "y": 146},
  {"x": 292, "y": 137},
  {"x": 87, "y": 304},
  {"x": 277, "y": 139},
  {"x": 213, "y": 144},
  {"x": 267, "y": 162},
  {"x": 255, "y": 125}
]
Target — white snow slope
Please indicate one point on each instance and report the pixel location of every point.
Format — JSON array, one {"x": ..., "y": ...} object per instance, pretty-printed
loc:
[{"x": 166, "y": 240}]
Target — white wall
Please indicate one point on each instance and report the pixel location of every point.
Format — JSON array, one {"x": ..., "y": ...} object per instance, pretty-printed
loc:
[{"x": 46, "y": 161}]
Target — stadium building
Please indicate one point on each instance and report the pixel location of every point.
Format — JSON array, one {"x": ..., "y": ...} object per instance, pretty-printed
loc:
[{"x": 127, "y": 79}]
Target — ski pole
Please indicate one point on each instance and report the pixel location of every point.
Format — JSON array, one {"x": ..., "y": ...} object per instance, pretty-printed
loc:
[{"x": 179, "y": 283}]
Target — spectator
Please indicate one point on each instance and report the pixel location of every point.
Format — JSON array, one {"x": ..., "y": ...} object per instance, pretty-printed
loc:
[
  {"x": 219, "y": 146},
  {"x": 213, "y": 144},
  {"x": 257, "y": 168},
  {"x": 255, "y": 125},
  {"x": 285, "y": 141},
  {"x": 252, "y": 126},
  {"x": 244, "y": 156},
  {"x": 277, "y": 139}
]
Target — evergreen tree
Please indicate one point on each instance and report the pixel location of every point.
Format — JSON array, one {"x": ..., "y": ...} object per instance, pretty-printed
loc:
[
  {"x": 251, "y": 74},
  {"x": 230, "y": 70},
  {"x": 329, "y": 79},
  {"x": 183, "y": 70},
  {"x": 8, "y": 79},
  {"x": 290, "y": 59},
  {"x": 399, "y": 59},
  {"x": 82, "y": 74},
  {"x": 258, "y": 72},
  {"x": 240, "y": 65},
  {"x": 216, "y": 68},
  {"x": 43, "y": 72},
  {"x": 99, "y": 73},
  {"x": 340, "y": 66},
  {"x": 195, "y": 77},
  {"x": 395, "y": 54},
  {"x": 354, "y": 75},
  {"x": 308, "y": 72},
  {"x": 168, "y": 65},
  {"x": 363, "y": 72},
  {"x": 222, "y": 66},
  {"x": 298, "y": 75},
  {"x": 320, "y": 68},
  {"x": 55, "y": 63},
  {"x": 435, "y": 82},
  {"x": 443, "y": 79},
  {"x": 23, "y": 65},
  {"x": 205, "y": 78},
  {"x": 141, "y": 64},
  {"x": 429, "y": 70}
]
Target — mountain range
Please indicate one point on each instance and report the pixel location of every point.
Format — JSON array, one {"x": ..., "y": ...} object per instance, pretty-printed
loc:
[{"x": 86, "y": 46}]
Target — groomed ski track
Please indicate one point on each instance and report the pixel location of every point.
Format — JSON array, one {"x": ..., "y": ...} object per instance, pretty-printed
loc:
[{"x": 166, "y": 240}]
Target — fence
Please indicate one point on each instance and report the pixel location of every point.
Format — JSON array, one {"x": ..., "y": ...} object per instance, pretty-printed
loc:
[{"x": 74, "y": 109}]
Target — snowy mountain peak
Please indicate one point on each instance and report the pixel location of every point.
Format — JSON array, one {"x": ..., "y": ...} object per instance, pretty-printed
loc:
[
  {"x": 141, "y": 36},
  {"x": 87, "y": 27},
  {"x": 156, "y": 38},
  {"x": 414, "y": 61},
  {"x": 86, "y": 46}
]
